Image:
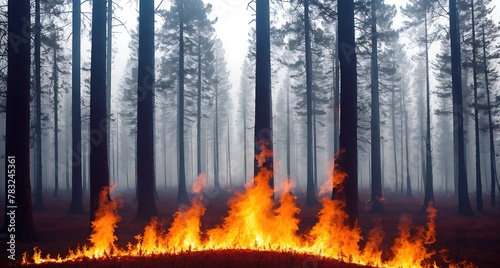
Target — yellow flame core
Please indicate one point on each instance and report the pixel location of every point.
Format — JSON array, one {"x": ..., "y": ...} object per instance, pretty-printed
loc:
[{"x": 253, "y": 223}]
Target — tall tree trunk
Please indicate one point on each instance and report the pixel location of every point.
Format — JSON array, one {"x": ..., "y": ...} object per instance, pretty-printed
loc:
[
  {"x": 479, "y": 191},
  {"x": 429, "y": 180},
  {"x": 315, "y": 147},
  {"x": 38, "y": 129},
  {"x": 216, "y": 131},
  {"x": 127, "y": 156},
  {"x": 112, "y": 175},
  {"x": 198, "y": 109},
  {"x": 401, "y": 132},
  {"x": 296, "y": 160},
  {"x": 336, "y": 94},
  {"x": 108, "y": 70},
  {"x": 263, "y": 103},
  {"x": 164, "y": 143},
  {"x": 393, "y": 115},
  {"x": 146, "y": 206},
  {"x": 348, "y": 153},
  {"x": 464, "y": 207},
  {"x": 84, "y": 168},
  {"x": 99, "y": 170},
  {"x": 376, "y": 195},
  {"x": 288, "y": 156},
  {"x": 182, "y": 191},
  {"x": 117, "y": 153},
  {"x": 408, "y": 181},
  {"x": 56, "y": 122},
  {"x": 490, "y": 124},
  {"x": 311, "y": 192},
  {"x": 17, "y": 132},
  {"x": 229, "y": 176},
  {"x": 66, "y": 155},
  {"x": 245, "y": 136}
]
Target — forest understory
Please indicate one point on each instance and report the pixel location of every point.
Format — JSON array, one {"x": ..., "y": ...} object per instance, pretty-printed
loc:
[{"x": 474, "y": 239}]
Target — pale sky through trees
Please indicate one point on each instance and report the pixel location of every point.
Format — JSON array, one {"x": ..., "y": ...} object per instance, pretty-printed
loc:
[{"x": 232, "y": 27}]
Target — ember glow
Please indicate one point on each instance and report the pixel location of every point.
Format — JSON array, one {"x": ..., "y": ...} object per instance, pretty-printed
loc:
[{"x": 254, "y": 222}]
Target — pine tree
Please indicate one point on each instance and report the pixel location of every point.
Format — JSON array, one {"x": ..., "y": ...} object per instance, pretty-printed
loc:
[
  {"x": 463, "y": 197},
  {"x": 419, "y": 15}
]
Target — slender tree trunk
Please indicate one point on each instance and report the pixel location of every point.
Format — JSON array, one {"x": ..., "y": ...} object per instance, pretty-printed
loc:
[
  {"x": 479, "y": 191},
  {"x": 401, "y": 132},
  {"x": 408, "y": 180},
  {"x": 216, "y": 131},
  {"x": 464, "y": 207},
  {"x": 348, "y": 153},
  {"x": 315, "y": 148},
  {"x": 229, "y": 176},
  {"x": 311, "y": 192},
  {"x": 182, "y": 196},
  {"x": 198, "y": 110},
  {"x": 446, "y": 174},
  {"x": 263, "y": 103},
  {"x": 84, "y": 168},
  {"x": 164, "y": 141},
  {"x": 296, "y": 160},
  {"x": 108, "y": 70},
  {"x": 288, "y": 156},
  {"x": 99, "y": 170},
  {"x": 38, "y": 129},
  {"x": 336, "y": 94},
  {"x": 393, "y": 115},
  {"x": 117, "y": 152},
  {"x": 376, "y": 195},
  {"x": 245, "y": 136},
  {"x": 490, "y": 124},
  {"x": 112, "y": 173},
  {"x": 128, "y": 186},
  {"x": 56, "y": 122},
  {"x": 429, "y": 180},
  {"x": 66, "y": 156}
]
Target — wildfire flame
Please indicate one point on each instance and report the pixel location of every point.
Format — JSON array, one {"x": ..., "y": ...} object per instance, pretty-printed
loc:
[{"x": 252, "y": 223}]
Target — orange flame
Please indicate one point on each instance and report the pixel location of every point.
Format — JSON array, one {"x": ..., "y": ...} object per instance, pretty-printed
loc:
[{"x": 253, "y": 223}]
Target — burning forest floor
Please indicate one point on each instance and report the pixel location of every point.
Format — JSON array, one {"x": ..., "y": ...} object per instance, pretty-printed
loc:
[{"x": 475, "y": 239}]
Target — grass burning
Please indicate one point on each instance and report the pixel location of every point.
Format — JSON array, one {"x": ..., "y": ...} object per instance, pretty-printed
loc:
[{"x": 255, "y": 223}]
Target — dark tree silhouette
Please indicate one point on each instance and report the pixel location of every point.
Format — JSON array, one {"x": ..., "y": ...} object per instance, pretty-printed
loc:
[
  {"x": 55, "y": 80},
  {"x": 38, "y": 118},
  {"x": 490, "y": 123},
  {"x": 464, "y": 207},
  {"x": 263, "y": 104},
  {"x": 17, "y": 136},
  {"x": 347, "y": 158},
  {"x": 182, "y": 191},
  {"x": 311, "y": 186},
  {"x": 146, "y": 206},
  {"x": 479, "y": 191},
  {"x": 376, "y": 194},
  {"x": 99, "y": 173},
  {"x": 76, "y": 114}
]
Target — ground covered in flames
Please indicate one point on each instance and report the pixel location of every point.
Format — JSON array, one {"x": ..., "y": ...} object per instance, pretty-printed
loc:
[{"x": 474, "y": 239}]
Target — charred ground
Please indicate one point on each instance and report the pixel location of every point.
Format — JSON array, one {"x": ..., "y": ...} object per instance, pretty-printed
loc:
[{"x": 474, "y": 239}]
